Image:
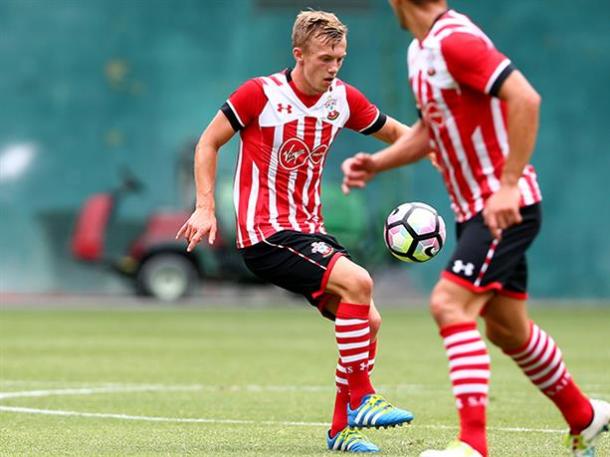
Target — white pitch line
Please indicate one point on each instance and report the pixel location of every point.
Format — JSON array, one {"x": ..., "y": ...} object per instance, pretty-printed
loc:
[
  {"x": 117, "y": 388},
  {"x": 96, "y": 390},
  {"x": 113, "y": 388},
  {"x": 53, "y": 412}
]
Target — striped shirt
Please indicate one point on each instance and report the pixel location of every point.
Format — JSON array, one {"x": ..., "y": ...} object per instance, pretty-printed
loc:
[
  {"x": 285, "y": 139},
  {"x": 455, "y": 73}
]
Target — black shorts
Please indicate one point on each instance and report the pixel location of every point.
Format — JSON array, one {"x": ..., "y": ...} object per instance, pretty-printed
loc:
[
  {"x": 298, "y": 262},
  {"x": 481, "y": 263}
]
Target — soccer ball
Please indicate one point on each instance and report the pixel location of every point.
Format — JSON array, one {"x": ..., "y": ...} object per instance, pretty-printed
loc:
[{"x": 414, "y": 232}]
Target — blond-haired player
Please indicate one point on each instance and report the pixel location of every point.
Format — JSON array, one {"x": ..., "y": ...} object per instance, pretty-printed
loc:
[{"x": 287, "y": 122}]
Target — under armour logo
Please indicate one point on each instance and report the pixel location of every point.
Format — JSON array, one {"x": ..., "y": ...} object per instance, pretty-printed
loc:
[
  {"x": 281, "y": 107},
  {"x": 471, "y": 402},
  {"x": 476, "y": 401},
  {"x": 467, "y": 268},
  {"x": 364, "y": 366},
  {"x": 552, "y": 391}
]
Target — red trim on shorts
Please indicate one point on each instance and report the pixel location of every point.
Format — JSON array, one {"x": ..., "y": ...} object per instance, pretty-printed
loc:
[
  {"x": 505, "y": 293},
  {"x": 513, "y": 294},
  {"x": 496, "y": 286},
  {"x": 329, "y": 268}
]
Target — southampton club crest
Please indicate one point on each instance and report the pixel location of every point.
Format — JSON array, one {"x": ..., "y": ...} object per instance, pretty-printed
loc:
[
  {"x": 320, "y": 247},
  {"x": 330, "y": 106}
]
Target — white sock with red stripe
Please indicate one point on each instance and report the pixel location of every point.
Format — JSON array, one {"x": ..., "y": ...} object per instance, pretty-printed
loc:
[
  {"x": 469, "y": 371},
  {"x": 342, "y": 398},
  {"x": 353, "y": 339},
  {"x": 542, "y": 362}
]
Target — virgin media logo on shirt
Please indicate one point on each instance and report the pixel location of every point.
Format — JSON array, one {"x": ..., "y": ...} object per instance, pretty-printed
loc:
[{"x": 295, "y": 153}]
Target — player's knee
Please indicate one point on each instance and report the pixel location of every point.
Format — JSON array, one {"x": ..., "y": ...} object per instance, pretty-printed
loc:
[
  {"x": 365, "y": 283},
  {"x": 495, "y": 334},
  {"x": 360, "y": 286},
  {"x": 441, "y": 305}
]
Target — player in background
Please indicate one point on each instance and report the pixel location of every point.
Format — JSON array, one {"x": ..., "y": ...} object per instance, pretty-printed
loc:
[
  {"x": 287, "y": 123},
  {"x": 481, "y": 114}
]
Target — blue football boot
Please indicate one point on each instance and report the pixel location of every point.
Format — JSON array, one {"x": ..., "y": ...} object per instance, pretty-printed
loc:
[
  {"x": 350, "y": 440},
  {"x": 376, "y": 411}
]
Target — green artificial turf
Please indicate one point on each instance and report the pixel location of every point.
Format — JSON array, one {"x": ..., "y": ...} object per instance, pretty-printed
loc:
[{"x": 175, "y": 379}]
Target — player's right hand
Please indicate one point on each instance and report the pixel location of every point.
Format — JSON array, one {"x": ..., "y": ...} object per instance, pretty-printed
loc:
[
  {"x": 201, "y": 223},
  {"x": 357, "y": 171}
]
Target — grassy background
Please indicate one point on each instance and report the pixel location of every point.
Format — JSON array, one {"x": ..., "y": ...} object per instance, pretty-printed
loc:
[{"x": 263, "y": 366}]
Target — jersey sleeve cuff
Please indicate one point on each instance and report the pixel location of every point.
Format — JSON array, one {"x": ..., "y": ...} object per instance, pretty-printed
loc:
[
  {"x": 230, "y": 113},
  {"x": 498, "y": 77},
  {"x": 376, "y": 125}
]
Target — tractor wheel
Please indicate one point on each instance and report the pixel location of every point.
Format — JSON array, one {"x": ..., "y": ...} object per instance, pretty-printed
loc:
[{"x": 166, "y": 276}]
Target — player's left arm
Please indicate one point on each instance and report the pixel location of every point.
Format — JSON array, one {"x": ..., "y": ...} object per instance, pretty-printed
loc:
[
  {"x": 394, "y": 130},
  {"x": 391, "y": 131},
  {"x": 523, "y": 108},
  {"x": 408, "y": 148}
]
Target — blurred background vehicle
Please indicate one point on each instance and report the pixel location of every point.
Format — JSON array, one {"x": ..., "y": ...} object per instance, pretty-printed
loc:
[{"x": 157, "y": 265}]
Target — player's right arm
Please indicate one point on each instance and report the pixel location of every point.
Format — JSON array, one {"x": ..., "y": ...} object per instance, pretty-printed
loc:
[
  {"x": 412, "y": 146},
  {"x": 236, "y": 114},
  {"x": 203, "y": 220},
  {"x": 474, "y": 62}
]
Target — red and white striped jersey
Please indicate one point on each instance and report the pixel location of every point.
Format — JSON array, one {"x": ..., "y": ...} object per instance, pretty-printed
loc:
[
  {"x": 285, "y": 138},
  {"x": 455, "y": 73}
]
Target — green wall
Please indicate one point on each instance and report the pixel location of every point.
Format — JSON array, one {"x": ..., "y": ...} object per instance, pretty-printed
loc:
[{"x": 90, "y": 86}]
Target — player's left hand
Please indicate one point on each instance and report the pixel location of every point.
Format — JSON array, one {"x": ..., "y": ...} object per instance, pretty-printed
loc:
[
  {"x": 502, "y": 210},
  {"x": 357, "y": 171}
]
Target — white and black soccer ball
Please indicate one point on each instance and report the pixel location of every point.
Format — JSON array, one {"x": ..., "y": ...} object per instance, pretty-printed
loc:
[{"x": 414, "y": 232}]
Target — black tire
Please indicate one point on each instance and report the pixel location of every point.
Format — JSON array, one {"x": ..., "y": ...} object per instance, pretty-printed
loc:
[{"x": 166, "y": 276}]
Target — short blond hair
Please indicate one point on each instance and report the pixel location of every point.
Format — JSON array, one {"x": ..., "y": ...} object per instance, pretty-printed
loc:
[{"x": 317, "y": 24}]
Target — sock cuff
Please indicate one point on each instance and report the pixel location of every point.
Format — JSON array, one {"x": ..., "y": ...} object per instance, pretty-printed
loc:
[
  {"x": 353, "y": 310},
  {"x": 452, "y": 329}
]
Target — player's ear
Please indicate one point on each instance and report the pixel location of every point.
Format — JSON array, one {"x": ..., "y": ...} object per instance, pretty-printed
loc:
[{"x": 298, "y": 54}]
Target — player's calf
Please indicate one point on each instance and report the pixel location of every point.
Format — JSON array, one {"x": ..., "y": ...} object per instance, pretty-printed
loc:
[{"x": 541, "y": 361}]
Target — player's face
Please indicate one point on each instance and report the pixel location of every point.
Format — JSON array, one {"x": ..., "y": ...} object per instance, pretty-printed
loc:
[
  {"x": 321, "y": 61},
  {"x": 398, "y": 12}
]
